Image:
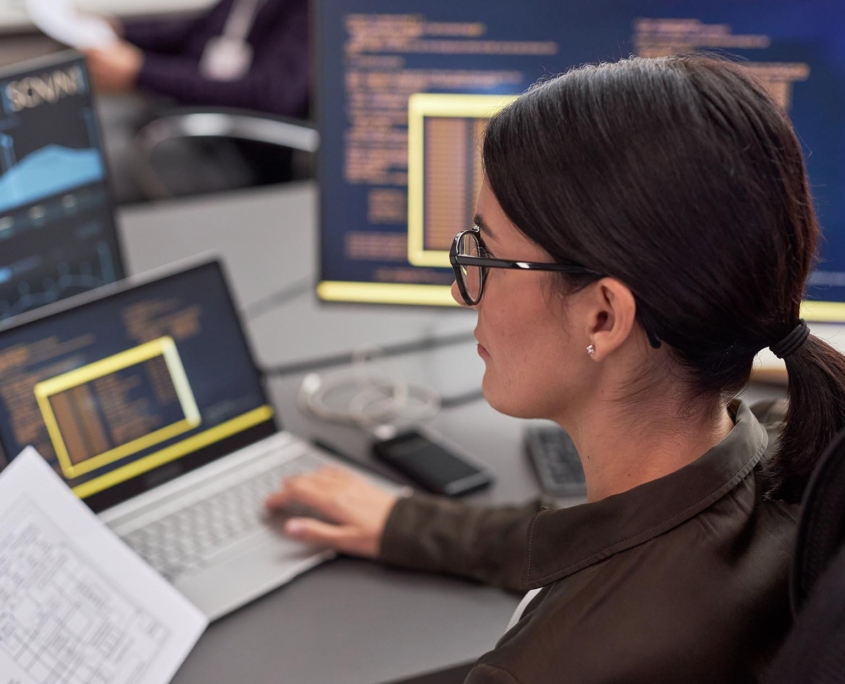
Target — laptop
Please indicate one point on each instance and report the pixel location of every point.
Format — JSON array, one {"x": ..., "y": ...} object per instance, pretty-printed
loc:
[{"x": 145, "y": 398}]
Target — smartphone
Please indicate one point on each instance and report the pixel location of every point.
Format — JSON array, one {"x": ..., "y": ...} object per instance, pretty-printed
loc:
[{"x": 430, "y": 461}]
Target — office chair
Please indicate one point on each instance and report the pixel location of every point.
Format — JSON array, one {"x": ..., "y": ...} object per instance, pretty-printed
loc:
[
  {"x": 185, "y": 124},
  {"x": 814, "y": 651}
]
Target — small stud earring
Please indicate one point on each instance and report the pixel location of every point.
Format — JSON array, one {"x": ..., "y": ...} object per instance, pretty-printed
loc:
[{"x": 591, "y": 349}]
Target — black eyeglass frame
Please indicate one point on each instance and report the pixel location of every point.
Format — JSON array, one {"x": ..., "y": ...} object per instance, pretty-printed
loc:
[{"x": 485, "y": 262}]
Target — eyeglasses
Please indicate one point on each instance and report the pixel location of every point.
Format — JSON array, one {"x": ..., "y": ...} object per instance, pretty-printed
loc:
[{"x": 470, "y": 260}]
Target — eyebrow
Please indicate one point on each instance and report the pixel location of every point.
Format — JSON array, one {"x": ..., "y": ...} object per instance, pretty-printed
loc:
[{"x": 478, "y": 220}]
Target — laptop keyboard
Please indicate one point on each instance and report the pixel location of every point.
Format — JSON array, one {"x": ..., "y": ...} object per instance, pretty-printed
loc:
[{"x": 186, "y": 540}]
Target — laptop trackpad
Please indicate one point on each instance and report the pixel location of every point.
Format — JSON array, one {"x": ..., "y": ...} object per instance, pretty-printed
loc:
[{"x": 247, "y": 570}]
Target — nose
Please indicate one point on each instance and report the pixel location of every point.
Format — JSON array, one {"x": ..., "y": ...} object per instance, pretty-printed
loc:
[{"x": 456, "y": 294}]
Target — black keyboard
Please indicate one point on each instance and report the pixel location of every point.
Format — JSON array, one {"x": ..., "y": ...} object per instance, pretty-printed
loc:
[{"x": 555, "y": 461}]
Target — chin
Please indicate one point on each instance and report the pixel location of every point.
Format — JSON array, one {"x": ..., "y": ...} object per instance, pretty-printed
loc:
[{"x": 508, "y": 402}]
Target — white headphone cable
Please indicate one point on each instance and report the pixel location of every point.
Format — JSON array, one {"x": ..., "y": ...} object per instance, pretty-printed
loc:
[{"x": 381, "y": 397}]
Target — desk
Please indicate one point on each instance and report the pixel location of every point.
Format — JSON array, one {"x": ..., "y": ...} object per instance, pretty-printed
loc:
[{"x": 350, "y": 621}]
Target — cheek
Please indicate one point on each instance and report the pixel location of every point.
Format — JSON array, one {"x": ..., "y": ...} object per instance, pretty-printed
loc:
[{"x": 530, "y": 367}]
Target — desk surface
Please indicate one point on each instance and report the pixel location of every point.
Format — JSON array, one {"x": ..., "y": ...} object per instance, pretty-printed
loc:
[{"x": 349, "y": 621}]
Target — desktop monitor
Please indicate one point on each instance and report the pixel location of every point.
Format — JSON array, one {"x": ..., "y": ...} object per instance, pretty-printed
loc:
[
  {"x": 405, "y": 91},
  {"x": 57, "y": 231}
]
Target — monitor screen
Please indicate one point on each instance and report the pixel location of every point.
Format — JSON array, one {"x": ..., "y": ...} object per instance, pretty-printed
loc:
[
  {"x": 404, "y": 96},
  {"x": 132, "y": 386},
  {"x": 57, "y": 232}
]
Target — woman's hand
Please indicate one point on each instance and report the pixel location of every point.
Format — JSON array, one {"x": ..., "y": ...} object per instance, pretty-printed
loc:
[{"x": 357, "y": 509}]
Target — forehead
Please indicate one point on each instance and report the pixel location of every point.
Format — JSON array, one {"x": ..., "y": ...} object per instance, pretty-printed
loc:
[{"x": 496, "y": 227}]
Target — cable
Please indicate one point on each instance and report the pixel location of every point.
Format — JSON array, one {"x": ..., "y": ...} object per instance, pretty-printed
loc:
[
  {"x": 346, "y": 358},
  {"x": 373, "y": 396},
  {"x": 276, "y": 299}
]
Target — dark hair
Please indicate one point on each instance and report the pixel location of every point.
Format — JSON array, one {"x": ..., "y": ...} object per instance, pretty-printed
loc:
[{"x": 681, "y": 177}]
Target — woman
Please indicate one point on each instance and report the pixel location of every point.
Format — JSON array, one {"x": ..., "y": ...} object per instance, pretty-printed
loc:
[{"x": 670, "y": 199}]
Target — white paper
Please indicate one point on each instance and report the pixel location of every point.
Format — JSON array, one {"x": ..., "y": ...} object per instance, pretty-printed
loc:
[
  {"x": 60, "y": 20},
  {"x": 76, "y": 604}
]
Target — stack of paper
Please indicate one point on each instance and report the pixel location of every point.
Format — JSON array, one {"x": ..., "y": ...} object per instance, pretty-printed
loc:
[{"x": 76, "y": 604}]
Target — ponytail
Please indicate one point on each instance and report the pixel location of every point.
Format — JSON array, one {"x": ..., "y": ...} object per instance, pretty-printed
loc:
[{"x": 815, "y": 415}]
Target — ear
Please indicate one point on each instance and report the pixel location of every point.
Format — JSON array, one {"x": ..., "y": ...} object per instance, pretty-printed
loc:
[{"x": 612, "y": 317}]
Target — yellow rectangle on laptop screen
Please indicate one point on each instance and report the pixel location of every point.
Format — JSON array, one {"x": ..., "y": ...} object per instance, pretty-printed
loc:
[{"x": 117, "y": 406}]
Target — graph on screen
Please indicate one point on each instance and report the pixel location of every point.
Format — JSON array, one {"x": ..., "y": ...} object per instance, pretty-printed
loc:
[{"x": 49, "y": 171}]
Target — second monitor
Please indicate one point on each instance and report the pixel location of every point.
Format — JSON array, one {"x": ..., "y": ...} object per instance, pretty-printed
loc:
[
  {"x": 57, "y": 231},
  {"x": 404, "y": 97}
]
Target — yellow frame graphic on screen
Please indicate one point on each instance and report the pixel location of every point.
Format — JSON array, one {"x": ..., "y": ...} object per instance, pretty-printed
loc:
[
  {"x": 421, "y": 105},
  {"x": 823, "y": 312},
  {"x": 174, "y": 451},
  {"x": 163, "y": 346},
  {"x": 385, "y": 293}
]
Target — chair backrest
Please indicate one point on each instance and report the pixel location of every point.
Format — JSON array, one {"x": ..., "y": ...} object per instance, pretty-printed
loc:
[
  {"x": 183, "y": 124},
  {"x": 821, "y": 529},
  {"x": 814, "y": 651},
  {"x": 229, "y": 123}
]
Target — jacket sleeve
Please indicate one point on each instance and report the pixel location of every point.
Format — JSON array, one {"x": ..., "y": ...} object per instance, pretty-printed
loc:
[
  {"x": 483, "y": 673},
  {"x": 486, "y": 544}
]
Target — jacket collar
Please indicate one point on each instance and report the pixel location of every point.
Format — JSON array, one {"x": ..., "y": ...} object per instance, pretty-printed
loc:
[{"x": 565, "y": 541}]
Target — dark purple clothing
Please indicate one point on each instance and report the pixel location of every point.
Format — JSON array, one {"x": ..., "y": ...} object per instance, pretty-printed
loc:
[{"x": 277, "y": 82}]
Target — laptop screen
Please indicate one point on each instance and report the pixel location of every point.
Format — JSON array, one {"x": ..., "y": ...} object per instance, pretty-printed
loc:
[
  {"x": 57, "y": 232},
  {"x": 133, "y": 385}
]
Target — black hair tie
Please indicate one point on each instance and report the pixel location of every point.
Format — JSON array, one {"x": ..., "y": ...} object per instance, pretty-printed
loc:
[{"x": 792, "y": 341}]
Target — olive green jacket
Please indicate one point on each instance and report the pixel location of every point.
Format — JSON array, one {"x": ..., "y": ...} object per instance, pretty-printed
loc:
[{"x": 682, "y": 579}]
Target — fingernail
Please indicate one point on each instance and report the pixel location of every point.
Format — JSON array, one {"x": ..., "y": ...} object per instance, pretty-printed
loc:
[{"x": 293, "y": 526}]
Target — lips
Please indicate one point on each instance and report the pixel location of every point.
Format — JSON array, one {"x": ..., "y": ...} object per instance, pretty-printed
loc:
[{"x": 482, "y": 350}]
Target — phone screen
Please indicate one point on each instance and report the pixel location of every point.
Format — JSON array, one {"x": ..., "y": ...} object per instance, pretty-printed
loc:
[{"x": 431, "y": 464}]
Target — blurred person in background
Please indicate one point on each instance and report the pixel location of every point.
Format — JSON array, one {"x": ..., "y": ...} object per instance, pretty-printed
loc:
[
  {"x": 247, "y": 54},
  {"x": 251, "y": 54}
]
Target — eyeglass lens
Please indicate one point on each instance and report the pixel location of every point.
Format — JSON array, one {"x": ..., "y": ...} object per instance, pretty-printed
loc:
[{"x": 472, "y": 275}]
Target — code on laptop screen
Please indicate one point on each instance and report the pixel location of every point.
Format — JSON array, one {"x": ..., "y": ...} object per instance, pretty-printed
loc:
[{"x": 131, "y": 382}]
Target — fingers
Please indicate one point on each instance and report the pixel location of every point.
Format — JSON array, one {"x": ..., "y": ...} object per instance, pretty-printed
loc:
[
  {"x": 299, "y": 491},
  {"x": 315, "y": 531},
  {"x": 318, "y": 489},
  {"x": 339, "y": 537},
  {"x": 356, "y": 509}
]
